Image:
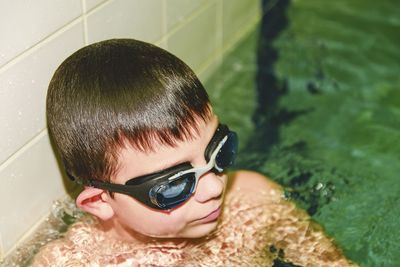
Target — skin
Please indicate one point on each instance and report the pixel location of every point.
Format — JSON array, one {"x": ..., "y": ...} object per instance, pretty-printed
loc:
[
  {"x": 124, "y": 218},
  {"x": 128, "y": 219}
]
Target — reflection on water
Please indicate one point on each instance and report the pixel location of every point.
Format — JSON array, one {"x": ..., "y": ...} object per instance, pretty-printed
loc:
[
  {"x": 314, "y": 95},
  {"x": 63, "y": 214},
  {"x": 317, "y": 102},
  {"x": 262, "y": 229}
]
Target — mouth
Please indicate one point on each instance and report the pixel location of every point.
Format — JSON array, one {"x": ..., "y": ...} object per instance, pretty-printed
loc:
[{"x": 211, "y": 217}]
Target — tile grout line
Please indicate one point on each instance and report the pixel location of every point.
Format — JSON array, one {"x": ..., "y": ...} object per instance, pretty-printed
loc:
[
  {"x": 241, "y": 34},
  {"x": 96, "y": 8},
  {"x": 33, "y": 141},
  {"x": 30, "y": 232},
  {"x": 84, "y": 18},
  {"x": 226, "y": 48},
  {"x": 2, "y": 255},
  {"x": 40, "y": 44},
  {"x": 51, "y": 36},
  {"x": 188, "y": 19},
  {"x": 164, "y": 23}
]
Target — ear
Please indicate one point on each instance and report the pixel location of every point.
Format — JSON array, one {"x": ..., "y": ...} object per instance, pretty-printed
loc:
[{"x": 92, "y": 200}]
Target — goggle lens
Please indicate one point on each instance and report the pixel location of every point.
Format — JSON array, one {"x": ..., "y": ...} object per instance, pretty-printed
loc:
[
  {"x": 227, "y": 154},
  {"x": 169, "y": 188},
  {"x": 175, "y": 192}
]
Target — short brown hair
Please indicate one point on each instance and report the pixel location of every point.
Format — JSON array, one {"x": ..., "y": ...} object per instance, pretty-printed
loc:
[{"x": 120, "y": 90}]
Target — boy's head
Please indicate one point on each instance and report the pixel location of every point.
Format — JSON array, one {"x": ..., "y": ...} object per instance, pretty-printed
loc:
[
  {"x": 124, "y": 112},
  {"x": 116, "y": 92}
]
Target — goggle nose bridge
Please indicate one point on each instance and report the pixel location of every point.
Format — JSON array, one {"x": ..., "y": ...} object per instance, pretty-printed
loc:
[
  {"x": 202, "y": 170},
  {"x": 198, "y": 172}
]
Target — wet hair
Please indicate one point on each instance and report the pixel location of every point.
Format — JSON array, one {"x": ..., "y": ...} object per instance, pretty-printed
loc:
[{"x": 118, "y": 92}]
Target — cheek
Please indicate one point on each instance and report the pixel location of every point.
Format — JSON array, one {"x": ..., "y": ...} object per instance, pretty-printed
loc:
[{"x": 146, "y": 221}]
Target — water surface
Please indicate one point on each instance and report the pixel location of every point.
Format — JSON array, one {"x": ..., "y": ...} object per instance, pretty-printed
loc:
[{"x": 314, "y": 92}]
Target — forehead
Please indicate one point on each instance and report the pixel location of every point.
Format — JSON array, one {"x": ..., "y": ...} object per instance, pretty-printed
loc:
[{"x": 134, "y": 163}]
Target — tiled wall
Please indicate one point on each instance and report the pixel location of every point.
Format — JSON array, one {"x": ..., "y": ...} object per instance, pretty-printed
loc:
[{"x": 35, "y": 36}]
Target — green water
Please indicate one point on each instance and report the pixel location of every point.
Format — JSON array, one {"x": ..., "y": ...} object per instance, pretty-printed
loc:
[{"x": 314, "y": 93}]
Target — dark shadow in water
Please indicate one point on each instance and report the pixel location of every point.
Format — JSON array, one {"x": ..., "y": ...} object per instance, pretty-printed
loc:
[
  {"x": 269, "y": 89},
  {"x": 268, "y": 116},
  {"x": 279, "y": 258}
]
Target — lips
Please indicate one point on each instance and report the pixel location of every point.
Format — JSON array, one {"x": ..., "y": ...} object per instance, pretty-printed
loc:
[{"x": 212, "y": 216}]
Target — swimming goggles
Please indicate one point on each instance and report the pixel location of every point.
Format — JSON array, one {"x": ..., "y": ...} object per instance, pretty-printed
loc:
[{"x": 171, "y": 187}]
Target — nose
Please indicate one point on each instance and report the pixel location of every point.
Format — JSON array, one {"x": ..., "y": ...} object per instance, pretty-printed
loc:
[{"x": 210, "y": 186}]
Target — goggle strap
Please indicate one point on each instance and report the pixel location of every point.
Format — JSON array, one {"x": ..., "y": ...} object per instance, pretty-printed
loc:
[{"x": 148, "y": 177}]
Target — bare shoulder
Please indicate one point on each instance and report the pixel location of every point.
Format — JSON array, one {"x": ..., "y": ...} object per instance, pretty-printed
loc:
[
  {"x": 251, "y": 181},
  {"x": 52, "y": 254},
  {"x": 67, "y": 250}
]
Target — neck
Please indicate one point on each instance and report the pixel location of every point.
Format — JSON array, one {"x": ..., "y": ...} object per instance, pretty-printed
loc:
[{"x": 117, "y": 231}]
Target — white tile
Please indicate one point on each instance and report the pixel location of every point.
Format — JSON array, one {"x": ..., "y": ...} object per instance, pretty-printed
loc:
[
  {"x": 138, "y": 19},
  {"x": 237, "y": 14},
  {"x": 23, "y": 88},
  {"x": 209, "y": 70},
  {"x": 162, "y": 43},
  {"x": 90, "y": 4},
  {"x": 24, "y": 23},
  {"x": 1, "y": 248},
  {"x": 197, "y": 40},
  {"x": 178, "y": 10},
  {"x": 28, "y": 187}
]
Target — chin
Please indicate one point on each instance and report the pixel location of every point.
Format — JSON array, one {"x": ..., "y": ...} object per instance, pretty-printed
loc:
[{"x": 201, "y": 230}]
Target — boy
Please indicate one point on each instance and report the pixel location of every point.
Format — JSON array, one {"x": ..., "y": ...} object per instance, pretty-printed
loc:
[{"x": 134, "y": 125}]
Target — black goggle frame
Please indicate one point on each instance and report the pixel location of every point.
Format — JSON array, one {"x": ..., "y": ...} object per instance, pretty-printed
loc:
[{"x": 144, "y": 188}]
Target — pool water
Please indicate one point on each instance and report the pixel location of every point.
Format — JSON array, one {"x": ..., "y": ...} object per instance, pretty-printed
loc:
[{"x": 314, "y": 93}]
